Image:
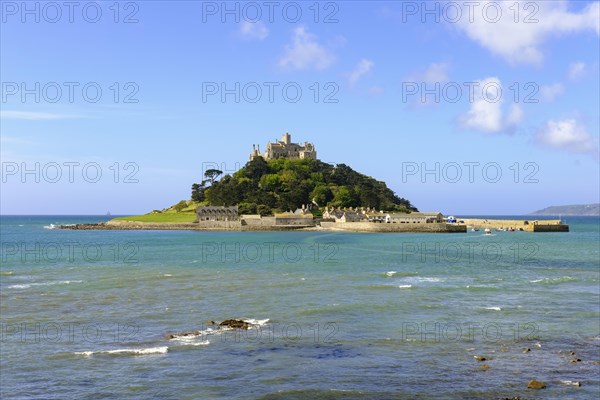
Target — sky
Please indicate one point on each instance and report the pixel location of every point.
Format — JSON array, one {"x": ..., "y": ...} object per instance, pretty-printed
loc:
[{"x": 486, "y": 107}]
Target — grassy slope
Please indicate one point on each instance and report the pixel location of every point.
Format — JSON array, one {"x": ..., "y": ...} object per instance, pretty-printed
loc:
[
  {"x": 187, "y": 214},
  {"x": 164, "y": 217}
]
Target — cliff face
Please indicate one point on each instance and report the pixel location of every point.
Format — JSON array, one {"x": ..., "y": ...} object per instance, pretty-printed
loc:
[{"x": 574, "y": 210}]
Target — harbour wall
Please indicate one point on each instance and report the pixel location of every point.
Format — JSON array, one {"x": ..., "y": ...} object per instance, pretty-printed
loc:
[
  {"x": 384, "y": 227},
  {"x": 553, "y": 225}
]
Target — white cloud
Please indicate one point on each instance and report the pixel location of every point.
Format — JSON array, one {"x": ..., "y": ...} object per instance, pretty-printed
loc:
[
  {"x": 486, "y": 112},
  {"x": 515, "y": 115},
  {"x": 436, "y": 72},
  {"x": 253, "y": 30},
  {"x": 576, "y": 70},
  {"x": 34, "y": 116},
  {"x": 376, "y": 90},
  {"x": 305, "y": 52},
  {"x": 568, "y": 135},
  {"x": 551, "y": 92},
  {"x": 4, "y": 139},
  {"x": 363, "y": 67},
  {"x": 520, "y": 42},
  {"x": 429, "y": 79}
]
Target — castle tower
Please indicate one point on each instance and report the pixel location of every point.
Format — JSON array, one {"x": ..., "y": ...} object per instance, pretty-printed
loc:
[{"x": 286, "y": 138}]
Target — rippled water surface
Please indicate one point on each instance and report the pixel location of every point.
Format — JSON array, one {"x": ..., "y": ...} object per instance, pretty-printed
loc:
[{"x": 87, "y": 314}]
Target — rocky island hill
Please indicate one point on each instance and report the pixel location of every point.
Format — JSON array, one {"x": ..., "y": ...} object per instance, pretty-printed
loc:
[{"x": 288, "y": 187}]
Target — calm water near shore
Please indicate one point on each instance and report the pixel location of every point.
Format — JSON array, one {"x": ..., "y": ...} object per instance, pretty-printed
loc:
[{"x": 84, "y": 314}]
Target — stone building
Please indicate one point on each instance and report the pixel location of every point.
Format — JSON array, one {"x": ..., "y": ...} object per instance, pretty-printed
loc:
[
  {"x": 284, "y": 148},
  {"x": 217, "y": 213},
  {"x": 371, "y": 215},
  {"x": 344, "y": 215},
  {"x": 415, "y": 218}
]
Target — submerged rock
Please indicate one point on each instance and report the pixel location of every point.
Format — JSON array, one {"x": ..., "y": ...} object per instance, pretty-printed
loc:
[
  {"x": 235, "y": 324},
  {"x": 479, "y": 358},
  {"x": 533, "y": 384},
  {"x": 527, "y": 350},
  {"x": 227, "y": 324}
]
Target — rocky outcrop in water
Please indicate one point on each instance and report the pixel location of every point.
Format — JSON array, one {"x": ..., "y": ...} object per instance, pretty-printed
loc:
[
  {"x": 235, "y": 324},
  {"x": 226, "y": 324},
  {"x": 533, "y": 384}
]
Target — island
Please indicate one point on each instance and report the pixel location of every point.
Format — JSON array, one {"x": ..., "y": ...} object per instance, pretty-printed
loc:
[{"x": 287, "y": 187}]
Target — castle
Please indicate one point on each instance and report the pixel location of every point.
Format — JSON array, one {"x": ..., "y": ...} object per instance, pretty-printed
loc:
[{"x": 284, "y": 148}]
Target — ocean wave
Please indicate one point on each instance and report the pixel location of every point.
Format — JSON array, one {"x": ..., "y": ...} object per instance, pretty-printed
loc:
[
  {"x": 426, "y": 279},
  {"x": 190, "y": 341},
  {"x": 28, "y": 285},
  {"x": 562, "y": 279},
  {"x": 51, "y": 226},
  {"x": 134, "y": 352},
  {"x": 259, "y": 322},
  {"x": 405, "y": 286},
  {"x": 6, "y": 273},
  {"x": 400, "y": 273},
  {"x": 493, "y": 308},
  {"x": 420, "y": 279}
]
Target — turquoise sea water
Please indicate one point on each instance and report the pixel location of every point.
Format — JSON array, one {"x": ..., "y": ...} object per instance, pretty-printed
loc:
[{"x": 84, "y": 314}]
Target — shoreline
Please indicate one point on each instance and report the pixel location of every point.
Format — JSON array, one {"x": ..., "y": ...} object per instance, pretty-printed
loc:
[
  {"x": 323, "y": 227},
  {"x": 237, "y": 226}
]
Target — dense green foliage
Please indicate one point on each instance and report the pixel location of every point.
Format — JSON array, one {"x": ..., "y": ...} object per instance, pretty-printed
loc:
[{"x": 280, "y": 185}]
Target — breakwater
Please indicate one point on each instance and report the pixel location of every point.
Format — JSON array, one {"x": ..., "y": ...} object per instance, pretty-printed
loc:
[
  {"x": 553, "y": 225},
  {"x": 241, "y": 225}
]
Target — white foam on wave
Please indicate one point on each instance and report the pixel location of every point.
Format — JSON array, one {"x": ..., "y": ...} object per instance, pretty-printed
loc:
[
  {"x": 259, "y": 322},
  {"x": 191, "y": 341},
  {"x": 134, "y": 352},
  {"x": 570, "y": 383},
  {"x": 405, "y": 286},
  {"x": 167, "y": 275},
  {"x": 426, "y": 279},
  {"x": 28, "y": 285},
  {"x": 51, "y": 226},
  {"x": 391, "y": 273},
  {"x": 562, "y": 279},
  {"x": 493, "y": 308}
]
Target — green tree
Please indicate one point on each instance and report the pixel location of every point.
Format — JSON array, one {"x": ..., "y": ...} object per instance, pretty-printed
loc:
[
  {"x": 212, "y": 174},
  {"x": 321, "y": 194},
  {"x": 198, "y": 192},
  {"x": 264, "y": 210},
  {"x": 344, "y": 197}
]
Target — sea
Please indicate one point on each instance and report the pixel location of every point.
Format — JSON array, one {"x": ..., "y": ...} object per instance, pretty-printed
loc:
[{"x": 90, "y": 314}]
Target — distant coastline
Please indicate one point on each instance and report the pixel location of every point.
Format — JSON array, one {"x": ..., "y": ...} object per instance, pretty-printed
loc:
[{"x": 576, "y": 210}]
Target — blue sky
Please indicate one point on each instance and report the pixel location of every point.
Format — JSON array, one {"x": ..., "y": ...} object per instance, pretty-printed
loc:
[{"x": 485, "y": 109}]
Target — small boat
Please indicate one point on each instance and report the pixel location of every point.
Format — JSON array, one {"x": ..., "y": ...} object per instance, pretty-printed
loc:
[
  {"x": 474, "y": 230},
  {"x": 488, "y": 231}
]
